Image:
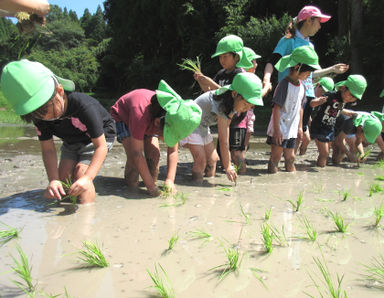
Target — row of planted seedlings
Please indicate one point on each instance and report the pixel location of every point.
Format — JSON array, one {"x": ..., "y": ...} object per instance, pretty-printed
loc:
[
  {"x": 326, "y": 283},
  {"x": 91, "y": 254}
]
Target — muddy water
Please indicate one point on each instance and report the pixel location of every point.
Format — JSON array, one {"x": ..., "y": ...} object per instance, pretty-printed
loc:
[{"x": 134, "y": 229}]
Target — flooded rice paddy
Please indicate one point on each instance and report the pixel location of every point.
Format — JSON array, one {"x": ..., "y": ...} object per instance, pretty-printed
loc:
[{"x": 135, "y": 229}]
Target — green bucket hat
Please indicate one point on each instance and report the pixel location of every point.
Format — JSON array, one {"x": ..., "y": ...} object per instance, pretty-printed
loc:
[
  {"x": 28, "y": 85},
  {"x": 378, "y": 115},
  {"x": 248, "y": 56},
  {"x": 182, "y": 116},
  {"x": 371, "y": 126},
  {"x": 301, "y": 55},
  {"x": 230, "y": 43},
  {"x": 382, "y": 93},
  {"x": 248, "y": 85},
  {"x": 356, "y": 85},
  {"x": 327, "y": 84}
]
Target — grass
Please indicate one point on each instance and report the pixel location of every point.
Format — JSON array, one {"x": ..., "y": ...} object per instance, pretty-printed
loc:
[
  {"x": 23, "y": 270},
  {"x": 92, "y": 255},
  {"x": 8, "y": 234},
  {"x": 172, "y": 241},
  {"x": 375, "y": 188},
  {"x": 256, "y": 273},
  {"x": 267, "y": 214},
  {"x": 375, "y": 272},
  {"x": 161, "y": 282},
  {"x": 379, "y": 178},
  {"x": 379, "y": 164},
  {"x": 327, "y": 287},
  {"x": 191, "y": 65},
  {"x": 309, "y": 229},
  {"x": 233, "y": 262},
  {"x": 268, "y": 236},
  {"x": 7, "y": 114},
  {"x": 179, "y": 198},
  {"x": 296, "y": 206},
  {"x": 378, "y": 212},
  {"x": 67, "y": 185},
  {"x": 339, "y": 222},
  {"x": 280, "y": 236}
]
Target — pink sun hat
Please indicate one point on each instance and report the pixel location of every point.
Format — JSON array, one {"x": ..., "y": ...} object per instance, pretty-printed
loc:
[{"x": 311, "y": 11}]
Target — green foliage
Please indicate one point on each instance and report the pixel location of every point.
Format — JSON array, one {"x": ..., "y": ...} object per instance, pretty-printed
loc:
[
  {"x": 161, "y": 283},
  {"x": 375, "y": 272},
  {"x": 92, "y": 255},
  {"x": 8, "y": 234},
  {"x": 23, "y": 270}
]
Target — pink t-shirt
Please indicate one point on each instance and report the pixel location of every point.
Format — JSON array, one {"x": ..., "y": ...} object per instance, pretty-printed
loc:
[
  {"x": 248, "y": 121},
  {"x": 133, "y": 109}
]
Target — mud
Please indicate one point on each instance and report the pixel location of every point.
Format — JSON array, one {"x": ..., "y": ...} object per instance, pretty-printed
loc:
[{"x": 134, "y": 229}]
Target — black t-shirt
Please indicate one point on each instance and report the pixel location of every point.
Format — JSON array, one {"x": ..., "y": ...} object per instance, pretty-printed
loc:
[
  {"x": 84, "y": 119},
  {"x": 326, "y": 116},
  {"x": 223, "y": 77}
]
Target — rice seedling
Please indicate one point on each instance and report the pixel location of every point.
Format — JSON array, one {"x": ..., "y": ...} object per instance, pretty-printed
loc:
[
  {"x": 379, "y": 164},
  {"x": 256, "y": 273},
  {"x": 23, "y": 270},
  {"x": 233, "y": 263},
  {"x": 180, "y": 199},
  {"x": 267, "y": 214},
  {"x": 225, "y": 189},
  {"x": 165, "y": 191},
  {"x": 361, "y": 157},
  {"x": 67, "y": 185},
  {"x": 379, "y": 212},
  {"x": 8, "y": 234},
  {"x": 280, "y": 236},
  {"x": 339, "y": 222},
  {"x": 327, "y": 287},
  {"x": 296, "y": 206},
  {"x": 375, "y": 272},
  {"x": 309, "y": 229},
  {"x": 268, "y": 236},
  {"x": 345, "y": 194},
  {"x": 379, "y": 178},
  {"x": 245, "y": 215},
  {"x": 375, "y": 188},
  {"x": 172, "y": 241},
  {"x": 161, "y": 282},
  {"x": 92, "y": 255},
  {"x": 200, "y": 235},
  {"x": 191, "y": 65}
]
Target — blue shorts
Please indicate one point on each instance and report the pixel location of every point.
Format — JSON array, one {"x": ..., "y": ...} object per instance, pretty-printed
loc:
[
  {"x": 81, "y": 153},
  {"x": 286, "y": 144},
  {"x": 323, "y": 137},
  {"x": 122, "y": 131}
]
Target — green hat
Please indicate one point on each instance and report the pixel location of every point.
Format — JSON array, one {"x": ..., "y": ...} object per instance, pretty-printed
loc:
[
  {"x": 356, "y": 85},
  {"x": 371, "y": 126},
  {"x": 378, "y": 115},
  {"x": 327, "y": 84},
  {"x": 28, "y": 85},
  {"x": 229, "y": 44},
  {"x": 248, "y": 85},
  {"x": 248, "y": 56},
  {"x": 301, "y": 55},
  {"x": 182, "y": 116},
  {"x": 382, "y": 93}
]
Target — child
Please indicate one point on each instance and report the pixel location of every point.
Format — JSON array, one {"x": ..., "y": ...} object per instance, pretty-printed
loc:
[
  {"x": 323, "y": 124},
  {"x": 219, "y": 107},
  {"x": 286, "y": 119},
  {"x": 230, "y": 50},
  {"x": 367, "y": 127},
  {"x": 380, "y": 138},
  {"x": 240, "y": 133},
  {"x": 86, "y": 128},
  {"x": 325, "y": 84},
  {"x": 142, "y": 116}
]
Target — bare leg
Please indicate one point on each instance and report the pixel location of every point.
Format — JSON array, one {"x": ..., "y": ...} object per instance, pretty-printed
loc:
[
  {"x": 276, "y": 152},
  {"x": 199, "y": 161},
  {"x": 212, "y": 158},
  {"x": 131, "y": 174},
  {"x": 289, "y": 156},
  {"x": 305, "y": 142},
  {"x": 238, "y": 158},
  {"x": 323, "y": 148},
  {"x": 152, "y": 155}
]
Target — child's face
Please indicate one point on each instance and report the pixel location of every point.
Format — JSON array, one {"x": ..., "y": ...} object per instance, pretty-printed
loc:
[
  {"x": 314, "y": 26},
  {"x": 302, "y": 76},
  {"x": 228, "y": 61},
  {"x": 346, "y": 95},
  {"x": 55, "y": 105},
  {"x": 241, "y": 105},
  {"x": 253, "y": 69},
  {"x": 319, "y": 91}
]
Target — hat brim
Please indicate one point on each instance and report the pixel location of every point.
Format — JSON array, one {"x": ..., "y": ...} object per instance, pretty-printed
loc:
[
  {"x": 240, "y": 53},
  {"x": 255, "y": 101},
  {"x": 68, "y": 85},
  {"x": 344, "y": 83}
]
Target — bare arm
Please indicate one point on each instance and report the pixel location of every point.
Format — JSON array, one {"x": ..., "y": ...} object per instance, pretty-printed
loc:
[
  {"x": 223, "y": 131},
  {"x": 55, "y": 188},
  {"x": 267, "y": 85},
  {"x": 318, "y": 101},
  {"x": 172, "y": 158},
  {"x": 337, "y": 68},
  {"x": 39, "y": 7},
  {"x": 277, "y": 136},
  {"x": 348, "y": 113},
  {"x": 206, "y": 83}
]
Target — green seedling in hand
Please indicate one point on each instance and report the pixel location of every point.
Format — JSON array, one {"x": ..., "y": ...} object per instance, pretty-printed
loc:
[
  {"x": 191, "y": 65},
  {"x": 67, "y": 185}
]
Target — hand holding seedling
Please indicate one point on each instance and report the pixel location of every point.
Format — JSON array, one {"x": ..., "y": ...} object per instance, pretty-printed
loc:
[
  {"x": 80, "y": 185},
  {"x": 55, "y": 190},
  {"x": 231, "y": 174},
  {"x": 340, "y": 68},
  {"x": 170, "y": 186}
]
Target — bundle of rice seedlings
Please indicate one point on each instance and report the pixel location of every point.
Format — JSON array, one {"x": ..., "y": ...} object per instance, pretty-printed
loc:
[
  {"x": 92, "y": 255},
  {"x": 191, "y": 65}
]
